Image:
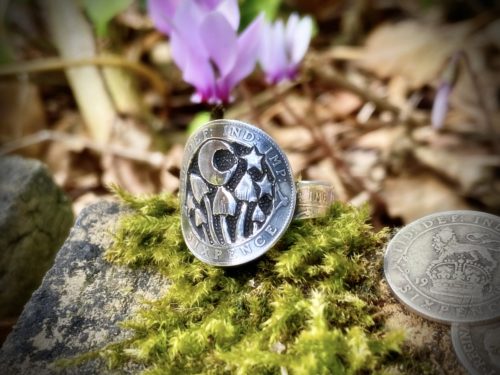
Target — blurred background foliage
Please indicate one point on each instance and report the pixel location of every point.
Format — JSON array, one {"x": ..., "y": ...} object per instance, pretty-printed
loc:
[{"x": 91, "y": 90}]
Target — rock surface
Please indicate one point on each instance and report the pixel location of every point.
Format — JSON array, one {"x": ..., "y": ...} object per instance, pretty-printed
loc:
[
  {"x": 80, "y": 303},
  {"x": 35, "y": 218},
  {"x": 427, "y": 341}
]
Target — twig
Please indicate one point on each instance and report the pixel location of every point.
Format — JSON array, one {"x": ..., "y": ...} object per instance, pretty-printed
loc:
[
  {"x": 318, "y": 134},
  {"x": 54, "y": 63},
  {"x": 320, "y": 139},
  {"x": 249, "y": 100},
  {"x": 259, "y": 100},
  {"x": 155, "y": 159},
  {"x": 356, "y": 182},
  {"x": 328, "y": 74},
  {"x": 481, "y": 99}
]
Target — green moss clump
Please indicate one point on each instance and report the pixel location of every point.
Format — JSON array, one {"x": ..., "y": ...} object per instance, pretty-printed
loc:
[{"x": 305, "y": 307}]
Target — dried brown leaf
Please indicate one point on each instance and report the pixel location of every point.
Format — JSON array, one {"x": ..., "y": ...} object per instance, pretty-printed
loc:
[
  {"x": 384, "y": 140},
  {"x": 339, "y": 103},
  {"x": 412, "y": 197},
  {"x": 22, "y": 113},
  {"x": 295, "y": 138},
  {"x": 169, "y": 174},
  {"x": 413, "y": 50},
  {"x": 137, "y": 178},
  {"x": 466, "y": 169}
]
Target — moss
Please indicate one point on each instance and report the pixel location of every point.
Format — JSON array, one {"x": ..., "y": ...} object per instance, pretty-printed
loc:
[{"x": 308, "y": 306}]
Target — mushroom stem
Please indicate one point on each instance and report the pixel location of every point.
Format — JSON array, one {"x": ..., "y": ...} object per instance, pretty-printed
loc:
[
  {"x": 240, "y": 223},
  {"x": 225, "y": 229},
  {"x": 255, "y": 227},
  {"x": 205, "y": 232},
  {"x": 210, "y": 220}
]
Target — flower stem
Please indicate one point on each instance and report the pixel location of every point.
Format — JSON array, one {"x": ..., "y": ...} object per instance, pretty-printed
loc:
[
  {"x": 320, "y": 139},
  {"x": 217, "y": 112}
]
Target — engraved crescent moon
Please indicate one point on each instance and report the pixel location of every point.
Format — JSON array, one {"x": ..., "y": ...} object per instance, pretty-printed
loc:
[{"x": 207, "y": 166}]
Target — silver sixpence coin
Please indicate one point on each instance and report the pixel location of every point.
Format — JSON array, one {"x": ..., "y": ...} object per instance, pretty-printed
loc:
[
  {"x": 478, "y": 347},
  {"x": 446, "y": 266},
  {"x": 237, "y": 193}
]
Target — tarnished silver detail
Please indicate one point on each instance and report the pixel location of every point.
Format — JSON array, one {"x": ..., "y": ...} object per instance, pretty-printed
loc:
[
  {"x": 446, "y": 266},
  {"x": 237, "y": 193},
  {"x": 478, "y": 347},
  {"x": 314, "y": 198}
]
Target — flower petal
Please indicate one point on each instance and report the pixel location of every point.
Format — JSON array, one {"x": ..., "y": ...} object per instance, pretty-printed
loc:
[
  {"x": 440, "y": 106},
  {"x": 290, "y": 30},
  {"x": 209, "y": 4},
  {"x": 162, "y": 13},
  {"x": 220, "y": 41},
  {"x": 230, "y": 10},
  {"x": 187, "y": 21},
  {"x": 178, "y": 50},
  {"x": 272, "y": 57},
  {"x": 195, "y": 67},
  {"x": 248, "y": 49},
  {"x": 301, "y": 40}
]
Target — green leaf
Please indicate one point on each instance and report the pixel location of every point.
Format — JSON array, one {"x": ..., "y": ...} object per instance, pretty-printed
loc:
[
  {"x": 198, "y": 120},
  {"x": 249, "y": 9},
  {"x": 102, "y": 11}
]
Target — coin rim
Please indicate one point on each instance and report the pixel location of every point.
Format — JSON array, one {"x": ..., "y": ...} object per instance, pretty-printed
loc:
[
  {"x": 405, "y": 303},
  {"x": 292, "y": 199},
  {"x": 459, "y": 350}
]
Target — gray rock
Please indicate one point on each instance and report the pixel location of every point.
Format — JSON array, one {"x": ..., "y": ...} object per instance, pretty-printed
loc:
[
  {"x": 80, "y": 303},
  {"x": 35, "y": 218}
]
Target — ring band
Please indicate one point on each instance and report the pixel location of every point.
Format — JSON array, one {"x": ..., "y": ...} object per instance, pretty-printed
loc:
[
  {"x": 238, "y": 195},
  {"x": 314, "y": 198}
]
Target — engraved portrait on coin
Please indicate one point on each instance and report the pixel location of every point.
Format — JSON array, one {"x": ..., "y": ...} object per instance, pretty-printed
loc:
[
  {"x": 237, "y": 193},
  {"x": 446, "y": 266},
  {"x": 478, "y": 347}
]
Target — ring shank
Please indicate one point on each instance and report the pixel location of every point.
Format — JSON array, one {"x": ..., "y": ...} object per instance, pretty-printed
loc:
[{"x": 314, "y": 198}]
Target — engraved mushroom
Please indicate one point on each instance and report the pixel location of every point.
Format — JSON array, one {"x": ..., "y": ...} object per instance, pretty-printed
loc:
[
  {"x": 224, "y": 204},
  {"x": 199, "y": 187},
  {"x": 200, "y": 190},
  {"x": 258, "y": 216},
  {"x": 199, "y": 220},
  {"x": 244, "y": 191},
  {"x": 190, "y": 202}
]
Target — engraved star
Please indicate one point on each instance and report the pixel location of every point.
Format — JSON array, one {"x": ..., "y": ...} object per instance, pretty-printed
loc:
[
  {"x": 265, "y": 187},
  {"x": 254, "y": 159}
]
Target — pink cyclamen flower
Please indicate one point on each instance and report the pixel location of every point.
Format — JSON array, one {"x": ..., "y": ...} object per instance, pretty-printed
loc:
[
  {"x": 440, "y": 106},
  {"x": 205, "y": 44},
  {"x": 442, "y": 98},
  {"x": 283, "y": 47}
]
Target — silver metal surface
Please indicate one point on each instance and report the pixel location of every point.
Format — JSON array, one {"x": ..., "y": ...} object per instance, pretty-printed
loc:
[
  {"x": 237, "y": 193},
  {"x": 446, "y": 266},
  {"x": 314, "y": 198},
  {"x": 478, "y": 347}
]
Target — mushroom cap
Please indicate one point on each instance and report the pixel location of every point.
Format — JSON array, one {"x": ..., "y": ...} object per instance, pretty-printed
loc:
[
  {"x": 224, "y": 202},
  {"x": 245, "y": 190}
]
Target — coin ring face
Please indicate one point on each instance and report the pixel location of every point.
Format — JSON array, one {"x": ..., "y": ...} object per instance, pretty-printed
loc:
[
  {"x": 446, "y": 266},
  {"x": 237, "y": 193},
  {"x": 477, "y": 347}
]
